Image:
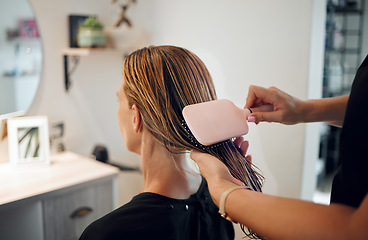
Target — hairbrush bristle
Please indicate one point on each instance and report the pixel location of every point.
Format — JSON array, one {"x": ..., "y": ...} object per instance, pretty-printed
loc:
[{"x": 195, "y": 141}]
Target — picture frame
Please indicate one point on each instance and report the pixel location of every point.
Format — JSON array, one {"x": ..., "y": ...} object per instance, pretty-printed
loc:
[
  {"x": 28, "y": 28},
  {"x": 28, "y": 140},
  {"x": 74, "y": 24}
]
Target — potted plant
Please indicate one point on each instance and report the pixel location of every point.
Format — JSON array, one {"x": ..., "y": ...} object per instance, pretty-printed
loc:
[{"x": 91, "y": 33}]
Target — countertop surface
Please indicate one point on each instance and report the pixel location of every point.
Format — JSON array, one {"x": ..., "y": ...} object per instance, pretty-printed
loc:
[{"x": 66, "y": 169}]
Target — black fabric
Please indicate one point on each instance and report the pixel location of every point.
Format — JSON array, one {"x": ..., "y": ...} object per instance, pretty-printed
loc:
[
  {"x": 350, "y": 184},
  {"x": 153, "y": 216}
]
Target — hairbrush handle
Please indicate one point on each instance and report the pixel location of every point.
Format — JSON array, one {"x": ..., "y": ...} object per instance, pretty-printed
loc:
[{"x": 263, "y": 108}]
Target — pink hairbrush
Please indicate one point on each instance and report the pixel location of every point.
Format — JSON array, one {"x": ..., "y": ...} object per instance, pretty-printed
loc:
[{"x": 219, "y": 120}]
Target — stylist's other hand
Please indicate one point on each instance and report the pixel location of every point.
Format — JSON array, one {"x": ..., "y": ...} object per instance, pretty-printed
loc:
[
  {"x": 216, "y": 173},
  {"x": 287, "y": 109}
]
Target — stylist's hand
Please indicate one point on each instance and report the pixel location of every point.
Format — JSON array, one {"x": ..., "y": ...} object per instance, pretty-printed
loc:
[
  {"x": 287, "y": 109},
  {"x": 216, "y": 173}
]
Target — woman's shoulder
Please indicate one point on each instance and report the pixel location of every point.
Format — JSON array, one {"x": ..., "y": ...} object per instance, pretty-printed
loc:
[
  {"x": 153, "y": 216},
  {"x": 144, "y": 215}
]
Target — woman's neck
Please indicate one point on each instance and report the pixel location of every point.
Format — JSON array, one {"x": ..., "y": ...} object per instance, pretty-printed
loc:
[{"x": 166, "y": 173}]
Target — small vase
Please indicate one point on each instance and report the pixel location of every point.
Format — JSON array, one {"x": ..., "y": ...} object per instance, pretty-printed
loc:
[{"x": 90, "y": 37}]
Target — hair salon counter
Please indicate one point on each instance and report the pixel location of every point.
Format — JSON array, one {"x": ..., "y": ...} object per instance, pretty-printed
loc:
[{"x": 55, "y": 201}]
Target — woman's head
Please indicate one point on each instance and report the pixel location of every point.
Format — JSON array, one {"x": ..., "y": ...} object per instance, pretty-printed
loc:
[{"x": 161, "y": 81}]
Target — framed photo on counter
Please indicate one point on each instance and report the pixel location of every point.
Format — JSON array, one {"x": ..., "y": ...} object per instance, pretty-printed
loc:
[{"x": 28, "y": 140}]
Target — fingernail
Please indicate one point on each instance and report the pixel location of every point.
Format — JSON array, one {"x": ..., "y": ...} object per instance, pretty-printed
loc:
[{"x": 251, "y": 119}]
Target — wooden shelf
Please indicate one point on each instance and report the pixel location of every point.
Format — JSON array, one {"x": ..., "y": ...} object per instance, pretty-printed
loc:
[
  {"x": 76, "y": 51},
  {"x": 88, "y": 51}
]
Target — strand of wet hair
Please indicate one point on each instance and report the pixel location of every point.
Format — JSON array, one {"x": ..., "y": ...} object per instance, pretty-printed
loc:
[{"x": 250, "y": 177}]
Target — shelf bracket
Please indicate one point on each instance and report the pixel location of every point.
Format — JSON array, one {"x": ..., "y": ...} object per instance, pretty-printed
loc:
[
  {"x": 66, "y": 75},
  {"x": 67, "y": 72}
]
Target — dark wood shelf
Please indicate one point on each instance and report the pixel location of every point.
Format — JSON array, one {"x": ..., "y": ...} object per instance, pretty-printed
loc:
[{"x": 342, "y": 10}]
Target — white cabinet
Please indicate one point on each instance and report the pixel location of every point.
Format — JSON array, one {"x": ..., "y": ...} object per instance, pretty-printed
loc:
[
  {"x": 55, "y": 202},
  {"x": 21, "y": 221},
  {"x": 67, "y": 215}
]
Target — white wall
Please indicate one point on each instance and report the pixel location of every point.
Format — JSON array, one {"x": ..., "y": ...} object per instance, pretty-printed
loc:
[
  {"x": 243, "y": 42},
  {"x": 312, "y": 133}
]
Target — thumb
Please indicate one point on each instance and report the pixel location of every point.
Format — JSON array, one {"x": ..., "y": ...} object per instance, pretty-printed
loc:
[{"x": 264, "y": 117}]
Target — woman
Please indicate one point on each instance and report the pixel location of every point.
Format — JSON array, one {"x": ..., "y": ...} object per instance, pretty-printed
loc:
[{"x": 158, "y": 82}]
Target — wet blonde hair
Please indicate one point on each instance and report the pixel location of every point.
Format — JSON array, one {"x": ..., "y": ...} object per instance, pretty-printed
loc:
[{"x": 161, "y": 81}]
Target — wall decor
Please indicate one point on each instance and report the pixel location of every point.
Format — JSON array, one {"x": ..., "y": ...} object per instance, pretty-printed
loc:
[
  {"x": 28, "y": 29},
  {"x": 75, "y": 21},
  {"x": 28, "y": 140}
]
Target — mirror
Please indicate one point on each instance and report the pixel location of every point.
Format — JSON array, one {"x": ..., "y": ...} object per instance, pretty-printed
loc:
[{"x": 20, "y": 56}]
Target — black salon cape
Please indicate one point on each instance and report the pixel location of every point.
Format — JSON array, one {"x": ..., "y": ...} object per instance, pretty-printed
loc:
[
  {"x": 153, "y": 216},
  {"x": 350, "y": 185}
]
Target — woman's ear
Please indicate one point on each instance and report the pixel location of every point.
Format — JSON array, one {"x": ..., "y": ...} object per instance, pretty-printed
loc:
[{"x": 136, "y": 119}]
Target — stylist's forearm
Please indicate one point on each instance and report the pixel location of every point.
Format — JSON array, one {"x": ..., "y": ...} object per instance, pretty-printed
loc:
[
  {"x": 283, "y": 218},
  {"x": 330, "y": 110}
]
